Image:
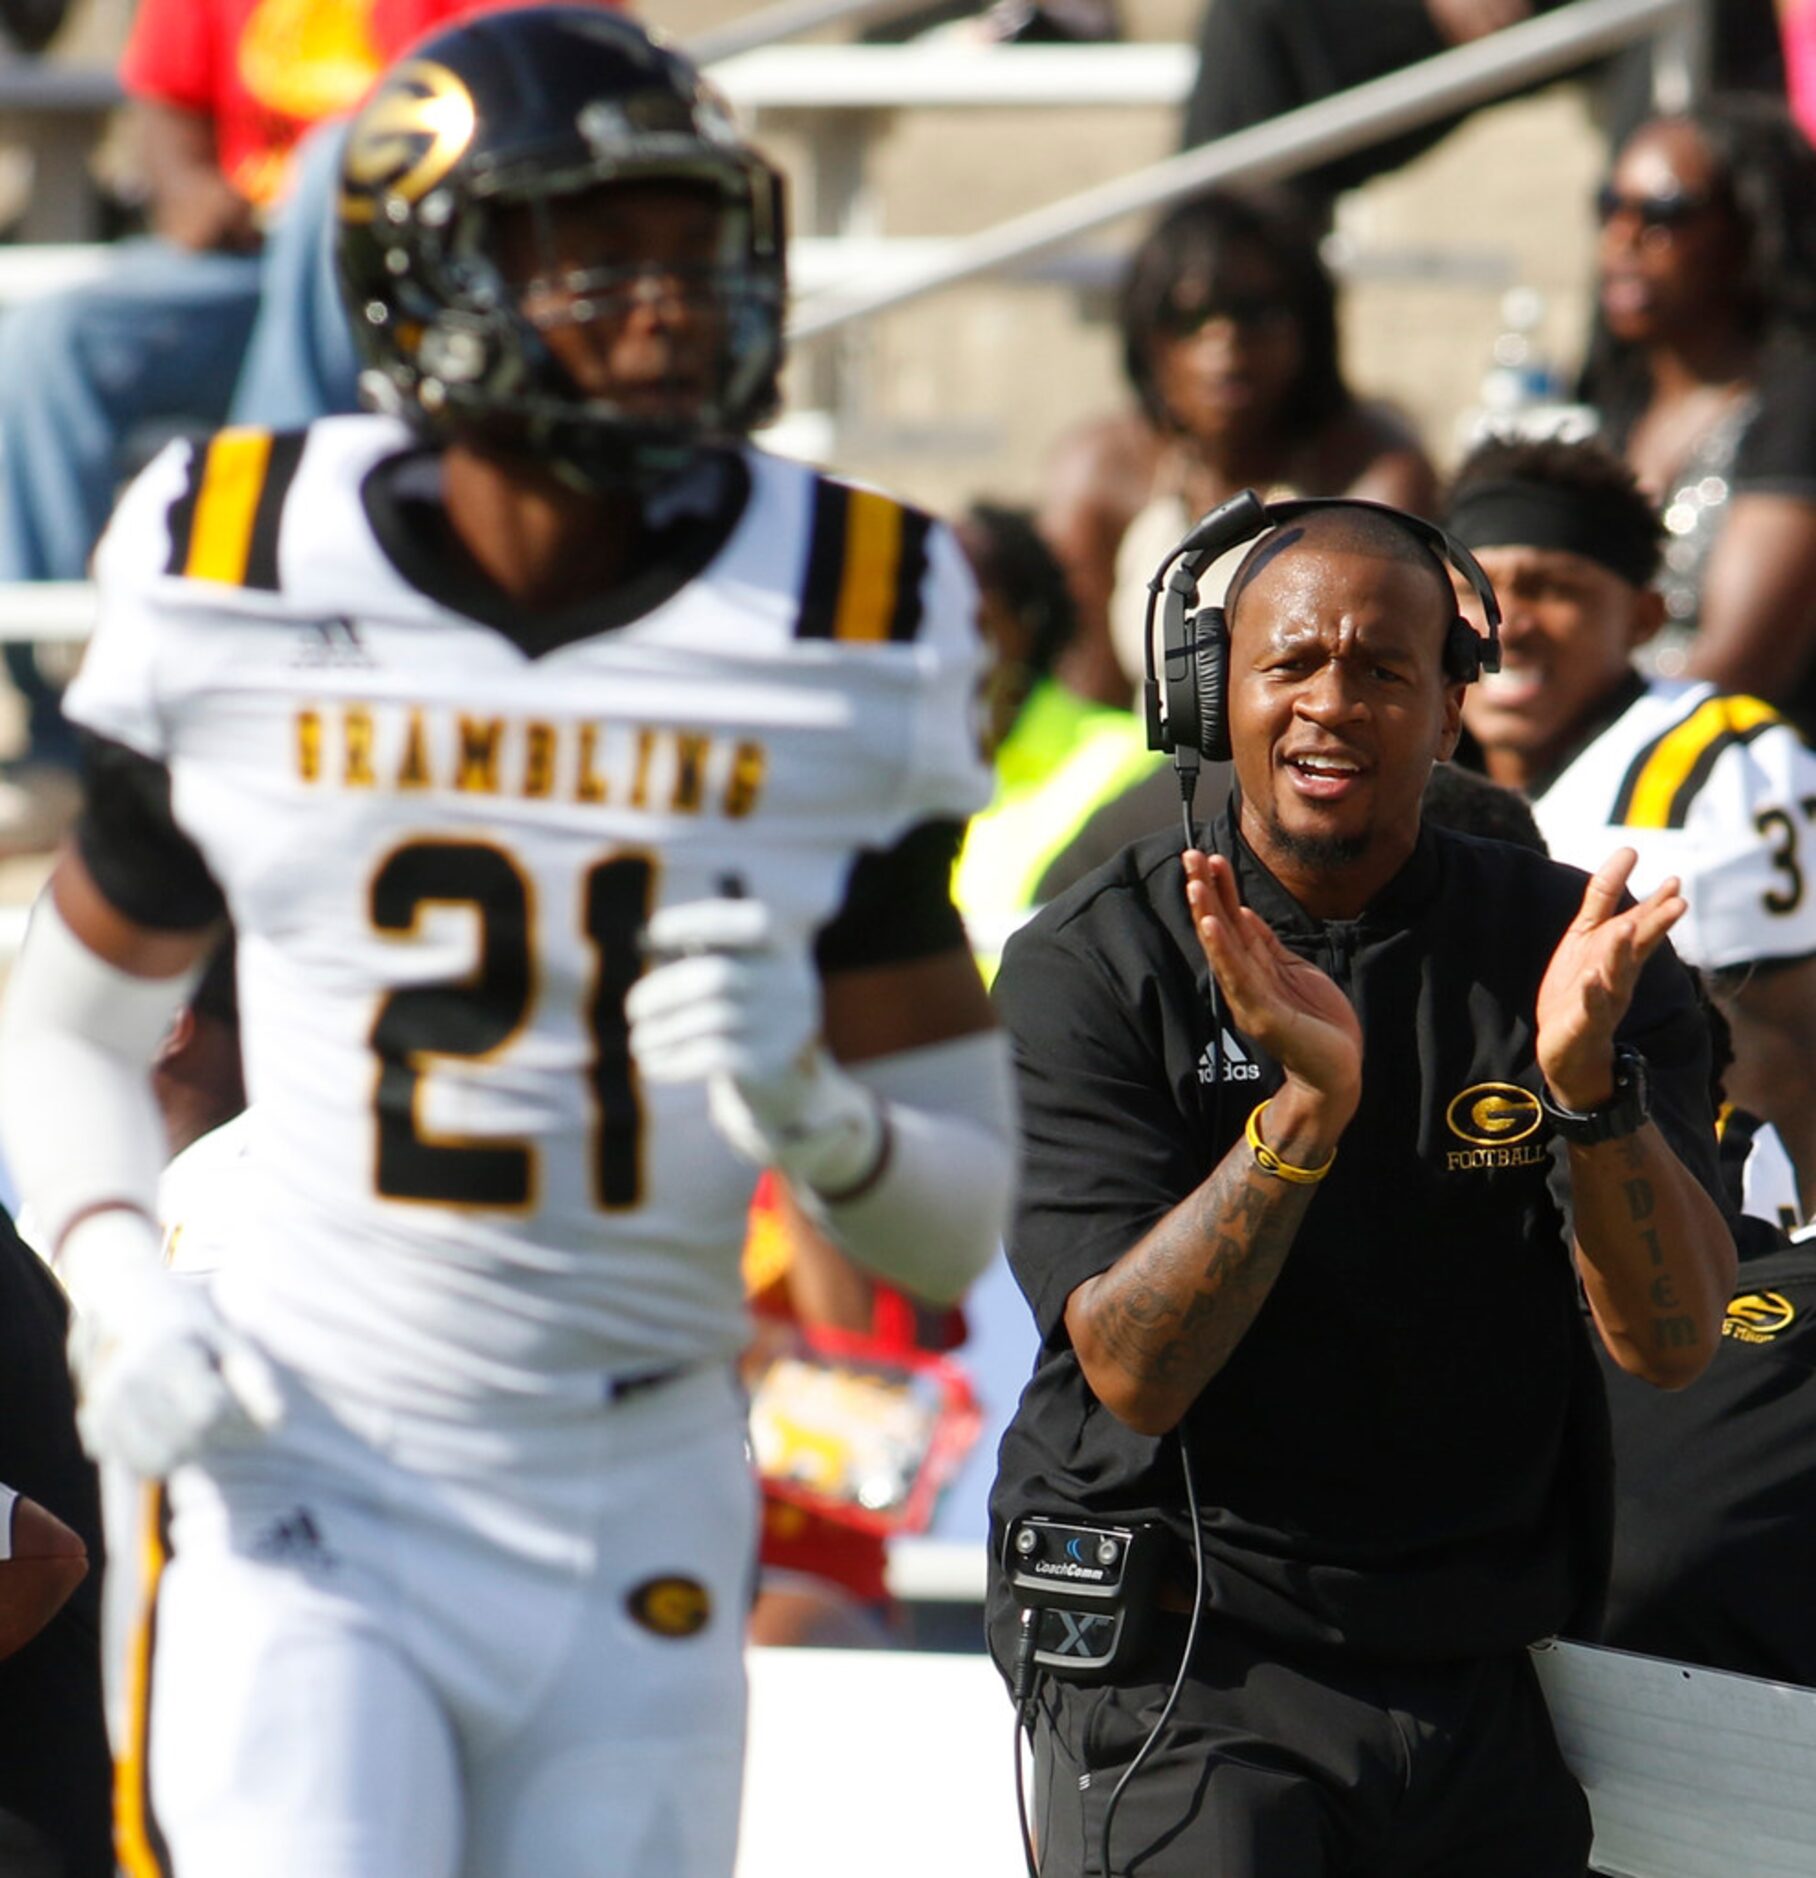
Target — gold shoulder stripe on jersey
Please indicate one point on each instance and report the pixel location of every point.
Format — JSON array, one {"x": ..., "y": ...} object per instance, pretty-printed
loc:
[
  {"x": 1663, "y": 779},
  {"x": 873, "y": 550},
  {"x": 137, "y": 1837},
  {"x": 224, "y": 526},
  {"x": 866, "y": 561}
]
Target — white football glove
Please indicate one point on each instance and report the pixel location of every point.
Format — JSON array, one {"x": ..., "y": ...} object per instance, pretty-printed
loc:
[
  {"x": 734, "y": 1007},
  {"x": 159, "y": 1374}
]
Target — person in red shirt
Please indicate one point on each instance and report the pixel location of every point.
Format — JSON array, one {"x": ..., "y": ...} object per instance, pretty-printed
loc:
[{"x": 234, "y": 269}]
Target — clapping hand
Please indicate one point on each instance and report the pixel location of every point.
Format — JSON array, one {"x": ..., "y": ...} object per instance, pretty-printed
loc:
[
  {"x": 1589, "y": 982},
  {"x": 1275, "y": 998}
]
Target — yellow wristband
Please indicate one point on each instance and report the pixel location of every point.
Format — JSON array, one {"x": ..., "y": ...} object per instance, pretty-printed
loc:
[{"x": 1270, "y": 1163}]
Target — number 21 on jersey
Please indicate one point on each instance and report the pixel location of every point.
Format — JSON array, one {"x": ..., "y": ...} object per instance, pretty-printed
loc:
[{"x": 476, "y": 1017}]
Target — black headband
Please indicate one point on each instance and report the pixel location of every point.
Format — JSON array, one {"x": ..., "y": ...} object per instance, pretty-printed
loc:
[{"x": 1601, "y": 525}]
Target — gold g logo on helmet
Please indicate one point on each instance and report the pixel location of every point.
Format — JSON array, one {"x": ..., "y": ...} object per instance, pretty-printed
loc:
[
  {"x": 411, "y": 134},
  {"x": 1493, "y": 1114}
]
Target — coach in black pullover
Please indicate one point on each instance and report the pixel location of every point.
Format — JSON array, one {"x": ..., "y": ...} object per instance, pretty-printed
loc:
[{"x": 1376, "y": 1361}]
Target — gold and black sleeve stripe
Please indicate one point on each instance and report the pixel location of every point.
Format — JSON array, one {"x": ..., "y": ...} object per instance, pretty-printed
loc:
[
  {"x": 138, "y": 1840},
  {"x": 1663, "y": 780},
  {"x": 866, "y": 564},
  {"x": 224, "y": 526}
]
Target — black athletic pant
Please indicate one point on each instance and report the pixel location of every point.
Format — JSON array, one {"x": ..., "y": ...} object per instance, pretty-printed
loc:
[{"x": 1314, "y": 1768}]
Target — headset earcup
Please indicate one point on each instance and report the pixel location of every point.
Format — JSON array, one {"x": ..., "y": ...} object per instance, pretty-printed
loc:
[
  {"x": 1213, "y": 636},
  {"x": 1177, "y": 679},
  {"x": 1462, "y": 652}
]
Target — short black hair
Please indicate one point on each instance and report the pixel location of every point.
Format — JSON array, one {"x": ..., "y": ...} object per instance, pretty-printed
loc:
[
  {"x": 1580, "y": 467},
  {"x": 1188, "y": 247},
  {"x": 1372, "y": 530}
]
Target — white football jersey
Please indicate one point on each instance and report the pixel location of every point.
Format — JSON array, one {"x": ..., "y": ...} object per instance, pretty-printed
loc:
[
  {"x": 204, "y": 1196},
  {"x": 439, "y": 852},
  {"x": 1715, "y": 788}
]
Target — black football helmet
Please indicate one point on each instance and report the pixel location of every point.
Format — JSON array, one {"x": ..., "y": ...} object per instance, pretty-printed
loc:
[{"x": 517, "y": 108}]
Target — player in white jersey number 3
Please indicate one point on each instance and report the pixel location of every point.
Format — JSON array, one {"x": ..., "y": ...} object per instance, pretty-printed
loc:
[{"x": 582, "y": 786}]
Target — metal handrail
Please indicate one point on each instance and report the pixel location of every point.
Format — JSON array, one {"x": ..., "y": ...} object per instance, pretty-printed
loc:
[{"x": 1298, "y": 140}]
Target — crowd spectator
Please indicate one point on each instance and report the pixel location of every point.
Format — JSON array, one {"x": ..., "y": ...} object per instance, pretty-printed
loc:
[
  {"x": 1229, "y": 337},
  {"x": 1706, "y": 786},
  {"x": 218, "y": 99},
  {"x": 1703, "y": 372},
  {"x": 227, "y": 308},
  {"x": 1260, "y": 58},
  {"x": 1056, "y": 754}
]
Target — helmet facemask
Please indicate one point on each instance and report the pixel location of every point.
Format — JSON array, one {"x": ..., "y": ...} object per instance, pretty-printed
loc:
[
  {"x": 715, "y": 317},
  {"x": 460, "y": 176}
]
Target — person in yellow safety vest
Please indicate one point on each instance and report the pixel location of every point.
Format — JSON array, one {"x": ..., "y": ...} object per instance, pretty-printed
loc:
[{"x": 1058, "y": 756}]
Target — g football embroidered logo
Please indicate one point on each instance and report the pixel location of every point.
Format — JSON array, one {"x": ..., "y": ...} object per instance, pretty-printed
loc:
[
  {"x": 1497, "y": 1119},
  {"x": 407, "y": 139},
  {"x": 671, "y": 1607},
  {"x": 1493, "y": 1114},
  {"x": 1758, "y": 1317}
]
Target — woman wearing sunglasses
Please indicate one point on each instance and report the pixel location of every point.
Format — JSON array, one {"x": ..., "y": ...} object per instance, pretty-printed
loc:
[
  {"x": 1704, "y": 370},
  {"x": 1229, "y": 332}
]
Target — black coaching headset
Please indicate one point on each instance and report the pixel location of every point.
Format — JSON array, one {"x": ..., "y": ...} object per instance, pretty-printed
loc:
[{"x": 1186, "y": 697}]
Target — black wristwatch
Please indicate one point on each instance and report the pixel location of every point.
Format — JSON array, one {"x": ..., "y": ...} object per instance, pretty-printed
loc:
[{"x": 1624, "y": 1111}]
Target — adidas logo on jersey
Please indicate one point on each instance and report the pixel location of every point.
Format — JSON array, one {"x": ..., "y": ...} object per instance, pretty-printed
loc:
[
  {"x": 332, "y": 644},
  {"x": 1236, "y": 1064},
  {"x": 293, "y": 1538}
]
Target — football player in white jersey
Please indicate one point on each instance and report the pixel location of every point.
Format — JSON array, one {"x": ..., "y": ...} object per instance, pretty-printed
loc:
[
  {"x": 582, "y": 786},
  {"x": 1715, "y": 788}
]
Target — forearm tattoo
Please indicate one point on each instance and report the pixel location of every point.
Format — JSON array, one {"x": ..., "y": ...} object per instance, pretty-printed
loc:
[
  {"x": 1175, "y": 1307},
  {"x": 1672, "y": 1327}
]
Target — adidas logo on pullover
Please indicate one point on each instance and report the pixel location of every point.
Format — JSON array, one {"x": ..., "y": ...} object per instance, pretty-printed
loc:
[{"x": 1235, "y": 1061}]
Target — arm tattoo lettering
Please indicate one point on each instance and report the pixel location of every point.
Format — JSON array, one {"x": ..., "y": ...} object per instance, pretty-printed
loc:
[
  {"x": 1674, "y": 1333},
  {"x": 1195, "y": 1284}
]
